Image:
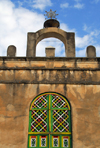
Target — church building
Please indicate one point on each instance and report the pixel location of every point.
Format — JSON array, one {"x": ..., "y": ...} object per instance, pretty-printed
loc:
[{"x": 50, "y": 102}]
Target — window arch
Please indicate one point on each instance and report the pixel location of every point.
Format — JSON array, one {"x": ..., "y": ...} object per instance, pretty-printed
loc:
[{"x": 49, "y": 121}]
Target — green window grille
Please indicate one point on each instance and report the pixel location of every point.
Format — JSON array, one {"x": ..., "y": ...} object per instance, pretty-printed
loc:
[{"x": 50, "y": 122}]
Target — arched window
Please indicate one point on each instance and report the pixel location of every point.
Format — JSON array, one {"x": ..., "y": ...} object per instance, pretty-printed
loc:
[{"x": 49, "y": 122}]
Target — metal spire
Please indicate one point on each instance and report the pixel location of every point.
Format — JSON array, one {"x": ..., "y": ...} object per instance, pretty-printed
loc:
[{"x": 51, "y": 14}]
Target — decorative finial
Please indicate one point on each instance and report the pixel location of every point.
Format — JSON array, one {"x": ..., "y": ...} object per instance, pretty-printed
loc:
[{"x": 51, "y": 14}]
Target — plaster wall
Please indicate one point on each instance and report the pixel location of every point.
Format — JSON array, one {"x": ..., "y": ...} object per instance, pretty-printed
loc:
[{"x": 22, "y": 79}]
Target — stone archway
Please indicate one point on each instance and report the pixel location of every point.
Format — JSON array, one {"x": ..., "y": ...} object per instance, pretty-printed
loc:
[{"x": 66, "y": 37}]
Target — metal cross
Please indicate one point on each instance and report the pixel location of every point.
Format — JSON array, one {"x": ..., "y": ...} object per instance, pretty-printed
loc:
[{"x": 51, "y": 14}]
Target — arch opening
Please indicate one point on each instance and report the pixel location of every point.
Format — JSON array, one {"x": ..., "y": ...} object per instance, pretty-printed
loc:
[
  {"x": 54, "y": 42},
  {"x": 66, "y": 38}
]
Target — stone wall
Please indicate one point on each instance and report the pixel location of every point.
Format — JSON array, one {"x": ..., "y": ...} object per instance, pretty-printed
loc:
[{"x": 22, "y": 79}]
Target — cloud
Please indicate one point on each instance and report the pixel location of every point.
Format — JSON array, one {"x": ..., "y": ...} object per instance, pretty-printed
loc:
[
  {"x": 85, "y": 27},
  {"x": 16, "y": 22},
  {"x": 14, "y": 25},
  {"x": 89, "y": 29},
  {"x": 81, "y": 53},
  {"x": 84, "y": 41},
  {"x": 37, "y": 4},
  {"x": 79, "y": 6},
  {"x": 64, "y": 27},
  {"x": 41, "y": 4},
  {"x": 95, "y": 1},
  {"x": 64, "y": 5},
  {"x": 97, "y": 50},
  {"x": 91, "y": 38}
]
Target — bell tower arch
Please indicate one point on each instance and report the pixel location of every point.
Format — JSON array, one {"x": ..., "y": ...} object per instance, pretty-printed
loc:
[{"x": 51, "y": 29}]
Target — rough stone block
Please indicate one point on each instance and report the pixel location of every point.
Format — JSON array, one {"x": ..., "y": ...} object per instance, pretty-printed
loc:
[
  {"x": 66, "y": 74},
  {"x": 50, "y": 51},
  {"x": 93, "y": 76},
  {"x": 42, "y": 76},
  {"x": 11, "y": 51},
  {"x": 1, "y": 63},
  {"x": 33, "y": 75},
  {"x": 59, "y": 76},
  {"x": 52, "y": 75},
  {"x": 78, "y": 75},
  {"x": 91, "y": 51},
  {"x": 38, "y": 64},
  {"x": 6, "y": 75},
  {"x": 85, "y": 76},
  {"x": 87, "y": 64},
  {"x": 22, "y": 75},
  {"x": 59, "y": 64},
  {"x": 50, "y": 64},
  {"x": 17, "y": 64},
  {"x": 70, "y": 64},
  {"x": 70, "y": 51},
  {"x": 31, "y": 45},
  {"x": 72, "y": 75},
  {"x": 98, "y": 76}
]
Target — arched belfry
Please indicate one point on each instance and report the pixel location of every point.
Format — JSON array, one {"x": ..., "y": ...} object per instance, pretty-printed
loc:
[{"x": 51, "y": 28}]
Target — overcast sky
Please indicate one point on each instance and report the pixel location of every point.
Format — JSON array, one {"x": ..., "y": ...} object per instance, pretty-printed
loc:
[{"x": 17, "y": 17}]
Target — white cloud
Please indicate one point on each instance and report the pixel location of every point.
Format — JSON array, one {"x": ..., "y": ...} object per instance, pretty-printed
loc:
[
  {"x": 16, "y": 22},
  {"x": 64, "y": 5},
  {"x": 37, "y": 4},
  {"x": 14, "y": 25},
  {"x": 81, "y": 53},
  {"x": 97, "y": 50},
  {"x": 85, "y": 27},
  {"x": 84, "y": 41},
  {"x": 79, "y": 6},
  {"x": 41, "y": 4},
  {"x": 89, "y": 29},
  {"x": 66, "y": 28},
  {"x": 95, "y": 1}
]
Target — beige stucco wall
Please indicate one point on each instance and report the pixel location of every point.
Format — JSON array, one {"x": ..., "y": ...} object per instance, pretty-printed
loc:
[{"x": 22, "y": 79}]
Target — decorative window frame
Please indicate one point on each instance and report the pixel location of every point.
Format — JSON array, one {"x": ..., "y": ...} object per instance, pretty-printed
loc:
[{"x": 50, "y": 116}]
